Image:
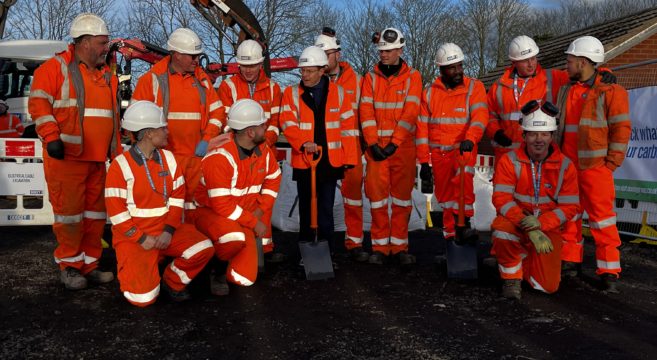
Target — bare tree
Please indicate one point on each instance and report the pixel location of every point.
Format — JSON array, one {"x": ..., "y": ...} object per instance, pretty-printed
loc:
[
  {"x": 51, "y": 19},
  {"x": 476, "y": 18},
  {"x": 426, "y": 24},
  {"x": 510, "y": 22},
  {"x": 360, "y": 21}
]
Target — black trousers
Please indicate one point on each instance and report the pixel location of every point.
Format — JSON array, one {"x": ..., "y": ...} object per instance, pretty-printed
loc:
[{"x": 325, "y": 198}]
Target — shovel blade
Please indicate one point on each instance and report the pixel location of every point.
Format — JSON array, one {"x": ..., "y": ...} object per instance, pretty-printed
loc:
[
  {"x": 461, "y": 260},
  {"x": 317, "y": 261}
]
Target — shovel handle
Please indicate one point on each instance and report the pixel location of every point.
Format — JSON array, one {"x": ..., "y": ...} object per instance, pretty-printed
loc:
[
  {"x": 462, "y": 160},
  {"x": 308, "y": 157}
]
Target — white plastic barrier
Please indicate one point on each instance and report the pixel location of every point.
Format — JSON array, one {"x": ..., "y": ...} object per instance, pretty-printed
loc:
[{"x": 21, "y": 176}]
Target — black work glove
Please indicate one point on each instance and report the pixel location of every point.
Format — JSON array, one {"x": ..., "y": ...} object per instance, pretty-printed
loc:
[
  {"x": 426, "y": 186},
  {"x": 377, "y": 153},
  {"x": 608, "y": 77},
  {"x": 55, "y": 149},
  {"x": 502, "y": 139},
  {"x": 466, "y": 146},
  {"x": 390, "y": 149},
  {"x": 425, "y": 171}
]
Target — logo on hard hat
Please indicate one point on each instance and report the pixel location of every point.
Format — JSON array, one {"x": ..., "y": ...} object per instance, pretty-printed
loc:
[
  {"x": 303, "y": 60},
  {"x": 539, "y": 123},
  {"x": 449, "y": 58},
  {"x": 245, "y": 57},
  {"x": 320, "y": 45},
  {"x": 525, "y": 52},
  {"x": 197, "y": 47}
]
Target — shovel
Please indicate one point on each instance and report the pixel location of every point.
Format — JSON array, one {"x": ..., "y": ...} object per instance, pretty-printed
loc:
[
  {"x": 462, "y": 253},
  {"x": 316, "y": 254}
]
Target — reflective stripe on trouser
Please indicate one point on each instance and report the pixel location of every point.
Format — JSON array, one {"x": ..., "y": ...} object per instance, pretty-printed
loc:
[
  {"x": 597, "y": 194},
  {"x": 447, "y": 185},
  {"x": 137, "y": 269},
  {"x": 76, "y": 190},
  {"x": 191, "y": 169},
  {"x": 352, "y": 193},
  {"x": 517, "y": 257},
  {"x": 573, "y": 245},
  {"x": 394, "y": 177},
  {"x": 232, "y": 243}
]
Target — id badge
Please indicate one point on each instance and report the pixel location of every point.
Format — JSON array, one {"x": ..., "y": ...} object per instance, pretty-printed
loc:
[
  {"x": 515, "y": 116},
  {"x": 537, "y": 211}
]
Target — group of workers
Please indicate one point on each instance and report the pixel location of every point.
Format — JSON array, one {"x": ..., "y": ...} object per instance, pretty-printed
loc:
[{"x": 201, "y": 178}]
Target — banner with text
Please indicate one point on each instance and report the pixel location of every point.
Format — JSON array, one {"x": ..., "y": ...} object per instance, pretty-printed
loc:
[{"x": 637, "y": 178}]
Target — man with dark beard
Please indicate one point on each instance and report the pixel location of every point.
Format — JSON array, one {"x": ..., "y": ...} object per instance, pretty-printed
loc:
[
  {"x": 238, "y": 187},
  {"x": 453, "y": 117}
]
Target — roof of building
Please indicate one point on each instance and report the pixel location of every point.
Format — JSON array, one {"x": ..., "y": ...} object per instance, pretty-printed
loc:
[{"x": 617, "y": 36}]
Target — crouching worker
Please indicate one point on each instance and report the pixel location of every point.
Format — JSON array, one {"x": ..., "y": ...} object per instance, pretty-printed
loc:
[
  {"x": 236, "y": 195},
  {"x": 144, "y": 194},
  {"x": 535, "y": 194}
]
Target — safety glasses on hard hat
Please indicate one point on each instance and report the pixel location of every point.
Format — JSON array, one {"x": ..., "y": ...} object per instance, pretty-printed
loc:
[
  {"x": 547, "y": 107},
  {"x": 331, "y": 33}
]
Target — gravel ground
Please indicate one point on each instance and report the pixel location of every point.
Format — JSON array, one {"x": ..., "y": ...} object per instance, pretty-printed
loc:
[{"x": 366, "y": 312}]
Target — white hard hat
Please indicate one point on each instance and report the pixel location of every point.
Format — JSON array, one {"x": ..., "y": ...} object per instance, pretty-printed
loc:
[
  {"x": 245, "y": 113},
  {"x": 184, "y": 41},
  {"x": 539, "y": 118},
  {"x": 448, "y": 54},
  {"x": 390, "y": 39},
  {"x": 588, "y": 47},
  {"x": 143, "y": 115},
  {"x": 88, "y": 24},
  {"x": 522, "y": 47},
  {"x": 313, "y": 56},
  {"x": 249, "y": 53},
  {"x": 327, "y": 43}
]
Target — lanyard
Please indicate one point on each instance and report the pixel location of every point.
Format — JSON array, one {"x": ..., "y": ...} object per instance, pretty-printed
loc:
[
  {"x": 536, "y": 181},
  {"x": 517, "y": 94},
  {"x": 148, "y": 172},
  {"x": 252, "y": 88}
]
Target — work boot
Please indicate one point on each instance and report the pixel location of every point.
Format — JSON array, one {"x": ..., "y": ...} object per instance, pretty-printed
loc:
[
  {"x": 609, "y": 283},
  {"x": 177, "y": 296},
  {"x": 219, "y": 285},
  {"x": 360, "y": 255},
  {"x": 276, "y": 257},
  {"x": 72, "y": 279},
  {"x": 377, "y": 257},
  {"x": 406, "y": 259},
  {"x": 511, "y": 289},
  {"x": 100, "y": 277},
  {"x": 569, "y": 269}
]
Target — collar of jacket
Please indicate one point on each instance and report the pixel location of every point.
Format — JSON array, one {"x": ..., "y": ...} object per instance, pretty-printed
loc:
[
  {"x": 137, "y": 158},
  {"x": 262, "y": 82},
  {"x": 553, "y": 157},
  {"x": 402, "y": 69},
  {"x": 242, "y": 154},
  {"x": 507, "y": 77},
  {"x": 461, "y": 88}
]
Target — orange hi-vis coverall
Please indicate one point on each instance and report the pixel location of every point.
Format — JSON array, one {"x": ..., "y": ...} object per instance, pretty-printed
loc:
[
  {"x": 145, "y": 197},
  {"x": 266, "y": 92},
  {"x": 298, "y": 125},
  {"x": 193, "y": 111},
  {"x": 595, "y": 135},
  {"x": 10, "y": 126},
  {"x": 234, "y": 185},
  {"x": 352, "y": 184},
  {"x": 389, "y": 108},
  {"x": 510, "y": 93},
  {"x": 447, "y": 117},
  {"x": 89, "y": 128},
  {"x": 514, "y": 198}
]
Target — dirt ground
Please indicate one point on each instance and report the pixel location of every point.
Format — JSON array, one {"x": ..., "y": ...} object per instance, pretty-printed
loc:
[{"x": 366, "y": 312}]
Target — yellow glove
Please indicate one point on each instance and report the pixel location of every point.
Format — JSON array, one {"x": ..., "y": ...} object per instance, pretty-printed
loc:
[
  {"x": 530, "y": 223},
  {"x": 541, "y": 242}
]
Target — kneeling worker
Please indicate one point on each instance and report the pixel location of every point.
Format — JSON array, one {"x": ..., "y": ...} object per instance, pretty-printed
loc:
[
  {"x": 237, "y": 192},
  {"x": 535, "y": 194},
  {"x": 144, "y": 194}
]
